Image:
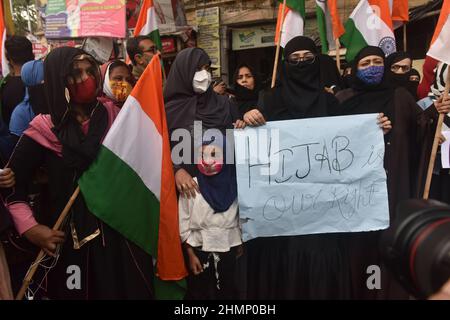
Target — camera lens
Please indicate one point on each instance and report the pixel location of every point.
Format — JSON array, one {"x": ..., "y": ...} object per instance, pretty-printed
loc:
[{"x": 416, "y": 248}]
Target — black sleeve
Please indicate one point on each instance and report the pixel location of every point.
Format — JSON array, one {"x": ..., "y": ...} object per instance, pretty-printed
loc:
[{"x": 25, "y": 160}]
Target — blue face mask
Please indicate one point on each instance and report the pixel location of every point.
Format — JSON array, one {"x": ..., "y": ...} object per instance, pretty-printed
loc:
[{"x": 371, "y": 75}]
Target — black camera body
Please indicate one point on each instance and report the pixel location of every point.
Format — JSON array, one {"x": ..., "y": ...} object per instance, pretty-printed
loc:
[{"x": 416, "y": 247}]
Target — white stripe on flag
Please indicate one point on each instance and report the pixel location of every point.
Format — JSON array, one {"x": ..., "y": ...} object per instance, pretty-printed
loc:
[
  {"x": 150, "y": 24},
  {"x": 135, "y": 139}
]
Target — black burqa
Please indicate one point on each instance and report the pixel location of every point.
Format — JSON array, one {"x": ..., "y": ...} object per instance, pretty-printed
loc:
[
  {"x": 110, "y": 266},
  {"x": 245, "y": 98},
  {"x": 400, "y": 161},
  {"x": 300, "y": 89},
  {"x": 184, "y": 106},
  {"x": 307, "y": 266},
  {"x": 397, "y": 80}
]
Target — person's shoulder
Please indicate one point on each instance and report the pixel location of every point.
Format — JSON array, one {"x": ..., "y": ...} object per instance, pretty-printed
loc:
[{"x": 344, "y": 94}]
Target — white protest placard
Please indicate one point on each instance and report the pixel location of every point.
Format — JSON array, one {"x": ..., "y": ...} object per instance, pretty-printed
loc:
[
  {"x": 445, "y": 148},
  {"x": 309, "y": 176}
]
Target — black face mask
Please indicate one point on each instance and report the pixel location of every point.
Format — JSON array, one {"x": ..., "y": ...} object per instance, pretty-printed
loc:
[
  {"x": 399, "y": 80},
  {"x": 38, "y": 99}
]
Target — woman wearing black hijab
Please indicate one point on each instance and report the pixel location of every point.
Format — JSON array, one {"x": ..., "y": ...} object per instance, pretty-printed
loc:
[
  {"x": 65, "y": 142},
  {"x": 371, "y": 93},
  {"x": 188, "y": 97},
  {"x": 306, "y": 266},
  {"x": 247, "y": 86},
  {"x": 398, "y": 71}
]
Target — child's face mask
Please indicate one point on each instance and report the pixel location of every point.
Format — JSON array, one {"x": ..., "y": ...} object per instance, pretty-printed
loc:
[
  {"x": 211, "y": 162},
  {"x": 120, "y": 89}
]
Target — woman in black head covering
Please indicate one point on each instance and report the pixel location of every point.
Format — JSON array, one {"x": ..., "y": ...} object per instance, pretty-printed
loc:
[
  {"x": 347, "y": 76},
  {"x": 247, "y": 86},
  {"x": 371, "y": 92},
  {"x": 211, "y": 192},
  {"x": 307, "y": 266},
  {"x": 65, "y": 143},
  {"x": 398, "y": 70},
  {"x": 189, "y": 97},
  {"x": 300, "y": 89},
  {"x": 414, "y": 80}
]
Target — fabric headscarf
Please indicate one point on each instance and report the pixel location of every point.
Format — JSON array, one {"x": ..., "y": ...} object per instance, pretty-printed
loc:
[
  {"x": 34, "y": 102},
  {"x": 183, "y": 105},
  {"x": 299, "y": 92},
  {"x": 413, "y": 85},
  {"x": 219, "y": 190},
  {"x": 106, "y": 86},
  {"x": 395, "y": 79},
  {"x": 79, "y": 150},
  {"x": 245, "y": 98},
  {"x": 438, "y": 86},
  {"x": 368, "y": 98}
]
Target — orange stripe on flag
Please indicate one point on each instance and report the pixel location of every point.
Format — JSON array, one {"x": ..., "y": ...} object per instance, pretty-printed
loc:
[
  {"x": 142, "y": 19},
  {"x": 338, "y": 28},
  {"x": 400, "y": 10},
  {"x": 148, "y": 91},
  {"x": 445, "y": 12},
  {"x": 278, "y": 28},
  {"x": 381, "y": 8}
]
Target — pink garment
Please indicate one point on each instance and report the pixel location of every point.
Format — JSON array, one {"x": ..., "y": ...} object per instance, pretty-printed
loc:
[
  {"x": 40, "y": 130},
  {"x": 22, "y": 216}
]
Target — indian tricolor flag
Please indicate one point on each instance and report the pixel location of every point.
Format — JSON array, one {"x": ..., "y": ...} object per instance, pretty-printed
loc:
[
  {"x": 131, "y": 185},
  {"x": 4, "y": 62},
  {"x": 292, "y": 20},
  {"x": 399, "y": 12},
  {"x": 440, "y": 44},
  {"x": 369, "y": 24},
  {"x": 329, "y": 24},
  {"x": 147, "y": 24}
]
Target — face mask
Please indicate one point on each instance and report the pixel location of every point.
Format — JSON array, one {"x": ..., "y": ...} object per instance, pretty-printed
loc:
[
  {"x": 371, "y": 75},
  {"x": 83, "y": 92},
  {"x": 202, "y": 81},
  {"x": 209, "y": 168},
  {"x": 120, "y": 89}
]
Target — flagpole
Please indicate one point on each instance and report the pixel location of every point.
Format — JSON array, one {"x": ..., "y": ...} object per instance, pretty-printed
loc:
[
  {"x": 404, "y": 37},
  {"x": 277, "y": 52},
  {"x": 437, "y": 134},
  {"x": 338, "y": 54},
  {"x": 35, "y": 264}
]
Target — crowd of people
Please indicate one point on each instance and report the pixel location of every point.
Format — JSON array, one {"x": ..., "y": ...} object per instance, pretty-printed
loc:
[{"x": 56, "y": 112}]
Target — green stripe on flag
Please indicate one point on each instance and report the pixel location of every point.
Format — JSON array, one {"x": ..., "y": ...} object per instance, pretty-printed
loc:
[
  {"x": 322, "y": 26},
  {"x": 169, "y": 290},
  {"x": 116, "y": 195},
  {"x": 154, "y": 35},
  {"x": 297, "y": 5},
  {"x": 353, "y": 40}
]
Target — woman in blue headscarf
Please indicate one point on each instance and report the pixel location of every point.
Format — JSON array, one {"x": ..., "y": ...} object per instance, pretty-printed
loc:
[{"x": 35, "y": 101}]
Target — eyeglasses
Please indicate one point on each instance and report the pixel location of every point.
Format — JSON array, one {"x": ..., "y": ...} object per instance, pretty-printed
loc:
[
  {"x": 295, "y": 59},
  {"x": 397, "y": 67}
]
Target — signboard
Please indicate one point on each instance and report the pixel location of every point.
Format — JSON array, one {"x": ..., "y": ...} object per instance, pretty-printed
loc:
[
  {"x": 256, "y": 37},
  {"x": 209, "y": 36},
  {"x": 296, "y": 178},
  {"x": 83, "y": 18},
  {"x": 168, "y": 45}
]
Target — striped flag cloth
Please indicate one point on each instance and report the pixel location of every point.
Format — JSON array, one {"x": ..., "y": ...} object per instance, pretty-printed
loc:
[
  {"x": 131, "y": 185},
  {"x": 329, "y": 24},
  {"x": 147, "y": 24},
  {"x": 293, "y": 22},
  {"x": 440, "y": 44},
  {"x": 370, "y": 24}
]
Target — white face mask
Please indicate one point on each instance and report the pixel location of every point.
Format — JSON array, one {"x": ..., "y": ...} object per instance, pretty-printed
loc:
[{"x": 202, "y": 81}]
